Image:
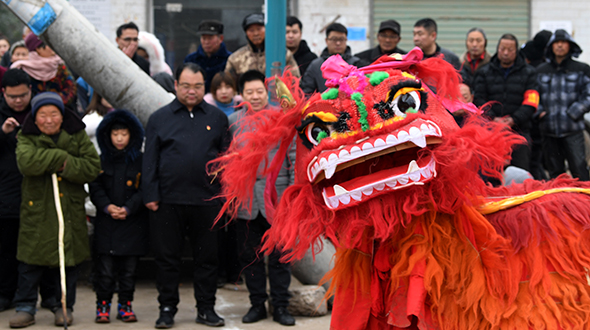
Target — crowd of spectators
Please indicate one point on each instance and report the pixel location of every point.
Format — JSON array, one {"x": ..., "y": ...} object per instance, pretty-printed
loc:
[{"x": 53, "y": 124}]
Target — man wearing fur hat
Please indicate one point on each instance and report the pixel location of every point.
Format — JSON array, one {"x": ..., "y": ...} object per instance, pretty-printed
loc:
[
  {"x": 564, "y": 90},
  {"x": 52, "y": 140}
]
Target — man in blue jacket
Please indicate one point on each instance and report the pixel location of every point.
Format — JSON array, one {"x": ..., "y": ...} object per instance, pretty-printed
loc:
[
  {"x": 564, "y": 88},
  {"x": 211, "y": 54}
]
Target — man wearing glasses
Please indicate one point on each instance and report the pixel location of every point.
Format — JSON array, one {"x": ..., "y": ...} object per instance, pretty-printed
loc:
[
  {"x": 127, "y": 42},
  {"x": 389, "y": 36},
  {"x": 336, "y": 37},
  {"x": 181, "y": 138}
]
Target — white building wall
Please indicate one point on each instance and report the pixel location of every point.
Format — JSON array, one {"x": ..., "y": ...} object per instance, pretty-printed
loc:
[
  {"x": 317, "y": 14},
  {"x": 574, "y": 12},
  {"x": 108, "y": 15}
]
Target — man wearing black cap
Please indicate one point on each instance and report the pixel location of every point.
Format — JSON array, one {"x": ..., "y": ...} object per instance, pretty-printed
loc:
[
  {"x": 389, "y": 36},
  {"x": 212, "y": 54},
  {"x": 252, "y": 56},
  {"x": 564, "y": 90}
]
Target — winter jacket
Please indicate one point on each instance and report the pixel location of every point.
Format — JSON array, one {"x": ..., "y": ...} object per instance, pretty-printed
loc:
[
  {"x": 119, "y": 184},
  {"x": 10, "y": 177},
  {"x": 38, "y": 156},
  {"x": 313, "y": 80},
  {"x": 303, "y": 56},
  {"x": 285, "y": 178},
  {"x": 370, "y": 55},
  {"x": 178, "y": 147},
  {"x": 516, "y": 94},
  {"x": 211, "y": 65},
  {"x": 142, "y": 63},
  {"x": 63, "y": 84},
  {"x": 448, "y": 56},
  {"x": 466, "y": 70},
  {"x": 564, "y": 90},
  {"x": 247, "y": 58}
]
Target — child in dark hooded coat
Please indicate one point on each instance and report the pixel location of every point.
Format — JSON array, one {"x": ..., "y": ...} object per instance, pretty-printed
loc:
[{"x": 121, "y": 227}]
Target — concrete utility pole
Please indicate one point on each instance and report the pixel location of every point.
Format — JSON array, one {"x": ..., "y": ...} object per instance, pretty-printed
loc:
[{"x": 90, "y": 54}]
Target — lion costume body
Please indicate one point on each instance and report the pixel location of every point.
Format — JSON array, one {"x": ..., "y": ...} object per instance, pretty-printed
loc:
[{"x": 384, "y": 173}]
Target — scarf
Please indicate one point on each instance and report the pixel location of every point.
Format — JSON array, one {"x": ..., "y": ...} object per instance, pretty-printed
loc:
[{"x": 40, "y": 68}]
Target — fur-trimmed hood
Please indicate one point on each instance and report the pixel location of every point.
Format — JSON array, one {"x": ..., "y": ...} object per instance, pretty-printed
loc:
[{"x": 103, "y": 135}]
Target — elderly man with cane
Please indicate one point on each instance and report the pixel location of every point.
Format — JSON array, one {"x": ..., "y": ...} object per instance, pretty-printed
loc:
[{"x": 52, "y": 142}]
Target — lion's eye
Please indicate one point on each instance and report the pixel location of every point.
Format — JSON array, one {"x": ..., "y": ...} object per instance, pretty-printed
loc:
[
  {"x": 403, "y": 103},
  {"x": 315, "y": 132}
]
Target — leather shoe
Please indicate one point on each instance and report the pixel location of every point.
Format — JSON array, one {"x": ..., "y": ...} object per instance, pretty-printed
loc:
[
  {"x": 59, "y": 317},
  {"x": 21, "y": 320},
  {"x": 255, "y": 314},
  {"x": 282, "y": 316}
]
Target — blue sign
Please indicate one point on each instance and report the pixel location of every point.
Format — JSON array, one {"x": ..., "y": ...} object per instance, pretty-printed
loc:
[{"x": 357, "y": 34}]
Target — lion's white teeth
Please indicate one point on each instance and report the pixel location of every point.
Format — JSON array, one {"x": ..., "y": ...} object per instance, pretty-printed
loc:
[
  {"x": 339, "y": 190},
  {"x": 419, "y": 140},
  {"x": 329, "y": 172},
  {"x": 413, "y": 167}
]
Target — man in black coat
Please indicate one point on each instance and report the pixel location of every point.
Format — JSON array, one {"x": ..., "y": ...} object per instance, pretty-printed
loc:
[
  {"x": 303, "y": 55},
  {"x": 181, "y": 138},
  {"x": 336, "y": 37},
  {"x": 127, "y": 40},
  {"x": 13, "y": 110},
  {"x": 512, "y": 85},
  {"x": 425, "y": 33},
  {"x": 389, "y": 36}
]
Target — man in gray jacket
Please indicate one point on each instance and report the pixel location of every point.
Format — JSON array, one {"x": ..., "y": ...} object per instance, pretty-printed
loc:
[
  {"x": 336, "y": 37},
  {"x": 252, "y": 224}
]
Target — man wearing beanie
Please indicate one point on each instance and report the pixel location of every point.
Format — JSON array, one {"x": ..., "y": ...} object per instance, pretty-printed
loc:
[
  {"x": 564, "y": 90},
  {"x": 252, "y": 56},
  {"x": 389, "y": 36},
  {"x": 52, "y": 140}
]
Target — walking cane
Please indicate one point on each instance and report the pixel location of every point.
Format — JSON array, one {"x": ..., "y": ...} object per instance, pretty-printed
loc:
[{"x": 60, "y": 246}]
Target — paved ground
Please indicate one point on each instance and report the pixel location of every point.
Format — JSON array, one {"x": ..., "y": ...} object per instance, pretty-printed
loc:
[{"x": 232, "y": 304}]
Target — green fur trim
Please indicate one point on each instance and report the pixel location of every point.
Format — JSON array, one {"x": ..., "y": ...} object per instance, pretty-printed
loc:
[
  {"x": 378, "y": 77},
  {"x": 330, "y": 94},
  {"x": 322, "y": 135},
  {"x": 358, "y": 99},
  {"x": 411, "y": 110}
]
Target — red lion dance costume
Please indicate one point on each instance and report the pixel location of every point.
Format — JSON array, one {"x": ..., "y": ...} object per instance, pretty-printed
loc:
[{"x": 422, "y": 242}]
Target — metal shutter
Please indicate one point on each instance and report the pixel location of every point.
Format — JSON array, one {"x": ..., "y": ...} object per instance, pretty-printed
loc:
[{"x": 454, "y": 18}]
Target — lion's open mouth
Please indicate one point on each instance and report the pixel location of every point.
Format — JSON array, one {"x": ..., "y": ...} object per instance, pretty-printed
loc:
[{"x": 372, "y": 166}]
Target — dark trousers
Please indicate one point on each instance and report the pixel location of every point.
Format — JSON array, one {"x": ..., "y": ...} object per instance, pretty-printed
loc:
[
  {"x": 227, "y": 246},
  {"x": 250, "y": 234},
  {"x": 8, "y": 262},
  {"x": 169, "y": 226},
  {"x": 521, "y": 154},
  {"x": 29, "y": 278},
  {"x": 110, "y": 268},
  {"x": 571, "y": 147}
]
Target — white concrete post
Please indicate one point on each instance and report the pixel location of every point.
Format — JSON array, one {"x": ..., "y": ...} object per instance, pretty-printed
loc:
[{"x": 90, "y": 54}]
